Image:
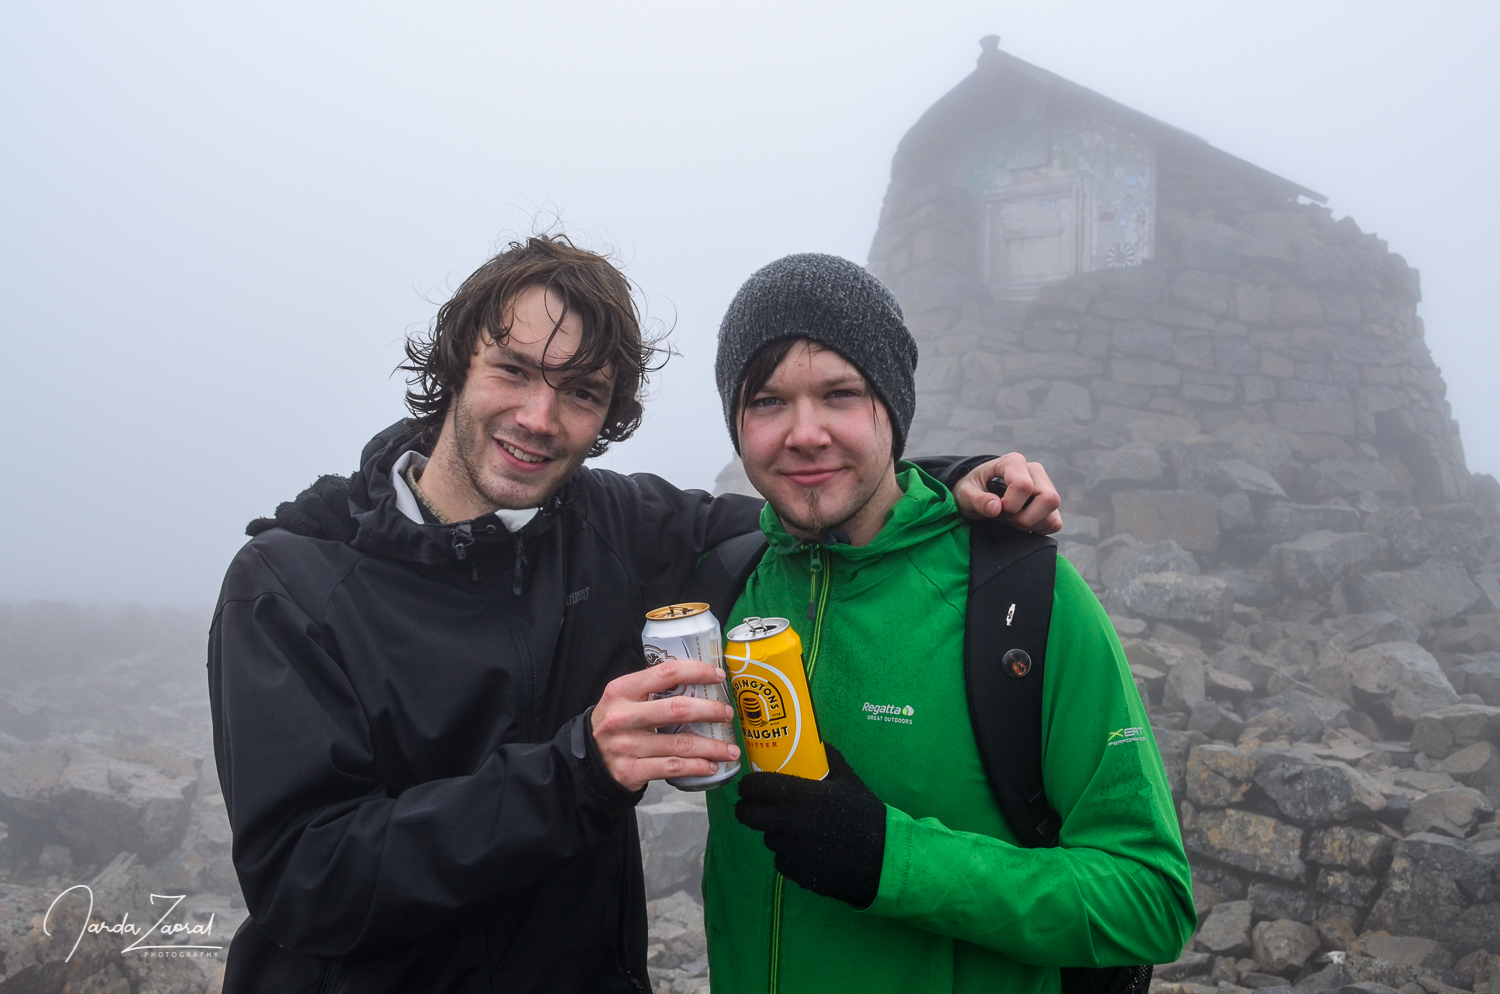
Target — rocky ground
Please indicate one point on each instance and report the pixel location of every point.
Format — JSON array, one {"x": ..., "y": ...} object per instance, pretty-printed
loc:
[{"x": 106, "y": 780}]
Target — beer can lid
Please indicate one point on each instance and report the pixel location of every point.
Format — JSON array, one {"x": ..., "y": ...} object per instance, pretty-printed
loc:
[
  {"x": 752, "y": 629},
  {"x": 672, "y": 611}
]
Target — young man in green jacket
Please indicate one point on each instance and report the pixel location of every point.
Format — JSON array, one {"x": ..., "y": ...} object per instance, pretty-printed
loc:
[{"x": 898, "y": 872}]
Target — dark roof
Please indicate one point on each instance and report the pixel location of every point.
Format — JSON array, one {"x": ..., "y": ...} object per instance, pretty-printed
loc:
[{"x": 987, "y": 98}]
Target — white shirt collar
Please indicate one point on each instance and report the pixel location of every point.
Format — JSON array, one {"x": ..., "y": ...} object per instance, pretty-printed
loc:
[{"x": 406, "y": 501}]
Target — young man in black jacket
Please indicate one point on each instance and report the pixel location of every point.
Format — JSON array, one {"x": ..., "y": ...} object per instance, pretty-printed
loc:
[{"x": 431, "y": 720}]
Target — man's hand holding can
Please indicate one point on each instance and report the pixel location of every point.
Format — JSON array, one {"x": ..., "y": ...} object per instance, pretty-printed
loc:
[{"x": 625, "y": 720}]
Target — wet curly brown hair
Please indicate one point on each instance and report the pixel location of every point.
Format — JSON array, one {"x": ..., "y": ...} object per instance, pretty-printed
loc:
[{"x": 586, "y": 283}]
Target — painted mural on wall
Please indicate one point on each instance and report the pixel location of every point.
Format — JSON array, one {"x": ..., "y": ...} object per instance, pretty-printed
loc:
[{"x": 1058, "y": 198}]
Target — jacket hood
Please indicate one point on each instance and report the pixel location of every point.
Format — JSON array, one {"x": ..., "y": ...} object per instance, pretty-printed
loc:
[
  {"x": 384, "y": 530},
  {"x": 926, "y": 509}
]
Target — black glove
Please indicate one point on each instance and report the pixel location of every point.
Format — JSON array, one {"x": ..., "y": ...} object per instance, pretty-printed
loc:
[
  {"x": 828, "y": 835},
  {"x": 320, "y": 511}
]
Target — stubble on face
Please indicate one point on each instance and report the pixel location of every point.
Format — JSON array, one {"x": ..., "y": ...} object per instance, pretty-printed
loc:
[{"x": 475, "y": 441}]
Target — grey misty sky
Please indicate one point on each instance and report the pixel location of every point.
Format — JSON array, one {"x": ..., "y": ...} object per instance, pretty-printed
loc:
[{"x": 218, "y": 221}]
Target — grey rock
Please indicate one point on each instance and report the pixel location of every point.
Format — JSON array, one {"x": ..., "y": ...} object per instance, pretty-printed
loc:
[
  {"x": 1144, "y": 373},
  {"x": 1283, "y": 945},
  {"x": 1184, "y": 689},
  {"x": 1482, "y": 677},
  {"x": 1314, "y": 417},
  {"x": 1399, "y": 682},
  {"x": 1316, "y": 561},
  {"x": 1406, "y": 950},
  {"x": 1250, "y": 586},
  {"x": 1453, "y": 812},
  {"x": 1235, "y": 513},
  {"x": 1347, "y": 477},
  {"x": 1200, "y": 600},
  {"x": 1471, "y": 759},
  {"x": 1307, "y": 714},
  {"x": 1226, "y": 931},
  {"x": 673, "y": 833},
  {"x": 1174, "y": 746},
  {"x": 1114, "y": 468},
  {"x": 1189, "y": 964},
  {"x": 1445, "y": 730},
  {"x": 1068, "y": 400},
  {"x": 1272, "y": 901},
  {"x": 1125, "y": 563},
  {"x": 1351, "y": 848},
  {"x": 1247, "y": 664},
  {"x": 1416, "y": 537},
  {"x": 1079, "y": 527},
  {"x": 1434, "y": 591},
  {"x": 1249, "y": 841},
  {"x": 96, "y": 805},
  {"x": 1189, "y": 518},
  {"x": 1441, "y": 888},
  {"x": 1236, "y": 474},
  {"x": 1085, "y": 559},
  {"x": 1363, "y": 630},
  {"x": 1313, "y": 791},
  {"x": 1347, "y": 887},
  {"x": 1216, "y": 722},
  {"x": 1218, "y": 775},
  {"x": 1289, "y": 521}
]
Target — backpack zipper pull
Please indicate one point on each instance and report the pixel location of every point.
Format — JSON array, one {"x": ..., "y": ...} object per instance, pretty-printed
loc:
[{"x": 1010, "y": 615}]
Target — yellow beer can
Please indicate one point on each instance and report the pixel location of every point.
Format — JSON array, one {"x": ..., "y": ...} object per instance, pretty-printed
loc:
[{"x": 764, "y": 661}]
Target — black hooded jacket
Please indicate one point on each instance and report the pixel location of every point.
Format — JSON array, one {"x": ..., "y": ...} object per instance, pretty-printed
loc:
[{"x": 399, "y": 726}]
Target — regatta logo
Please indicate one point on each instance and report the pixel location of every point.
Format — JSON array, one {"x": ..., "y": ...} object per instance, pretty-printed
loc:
[
  {"x": 897, "y": 713},
  {"x": 1120, "y": 736}
]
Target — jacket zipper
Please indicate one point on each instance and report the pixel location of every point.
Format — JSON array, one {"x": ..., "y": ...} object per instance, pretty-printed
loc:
[{"x": 817, "y": 606}]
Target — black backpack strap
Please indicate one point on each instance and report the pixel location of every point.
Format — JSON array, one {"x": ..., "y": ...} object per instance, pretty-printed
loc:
[
  {"x": 724, "y": 570},
  {"x": 1011, "y": 575},
  {"x": 1011, "y": 580}
]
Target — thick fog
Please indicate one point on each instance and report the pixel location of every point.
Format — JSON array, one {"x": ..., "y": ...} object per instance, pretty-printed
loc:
[{"x": 220, "y": 220}]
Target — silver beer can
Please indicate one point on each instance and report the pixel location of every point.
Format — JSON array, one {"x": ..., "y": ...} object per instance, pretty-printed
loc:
[{"x": 690, "y": 631}]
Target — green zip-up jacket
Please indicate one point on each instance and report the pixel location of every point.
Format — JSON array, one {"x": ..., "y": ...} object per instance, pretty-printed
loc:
[{"x": 961, "y": 907}]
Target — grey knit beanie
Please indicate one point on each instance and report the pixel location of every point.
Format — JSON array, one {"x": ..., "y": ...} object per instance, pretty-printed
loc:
[{"x": 833, "y": 302}]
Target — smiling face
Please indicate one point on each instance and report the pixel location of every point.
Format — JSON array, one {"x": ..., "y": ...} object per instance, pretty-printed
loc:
[
  {"x": 816, "y": 441},
  {"x": 520, "y": 427}
]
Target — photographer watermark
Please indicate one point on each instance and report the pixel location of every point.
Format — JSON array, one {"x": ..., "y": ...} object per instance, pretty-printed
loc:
[{"x": 125, "y": 927}]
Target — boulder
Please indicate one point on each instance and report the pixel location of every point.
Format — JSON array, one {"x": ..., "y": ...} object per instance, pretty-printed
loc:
[
  {"x": 672, "y": 833},
  {"x": 1445, "y": 730},
  {"x": 1247, "y": 664},
  {"x": 1281, "y": 901},
  {"x": 1290, "y": 521},
  {"x": 1249, "y": 841},
  {"x": 1435, "y": 591},
  {"x": 1482, "y": 677},
  {"x": 1313, "y": 791},
  {"x": 1361, "y": 630},
  {"x": 1235, "y": 513},
  {"x": 1348, "y": 888},
  {"x": 1284, "y": 945},
  {"x": 1236, "y": 474},
  {"x": 1189, "y": 518},
  {"x": 1226, "y": 931},
  {"x": 1218, "y": 775},
  {"x": 1441, "y": 888},
  {"x": 94, "y": 804},
  {"x": 1408, "y": 950},
  {"x": 1347, "y": 477},
  {"x": 1199, "y": 600},
  {"x": 1183, "y": 689},
  {"x": 1350, "y": 847},
  {"x": 1127, "y": 562},
  {"x": 1113, "y": 469},
  {"x": 1398, "y": 682},
  {"x": 1318, "y": 560},
  {"x": 1453, "y": 811}
]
